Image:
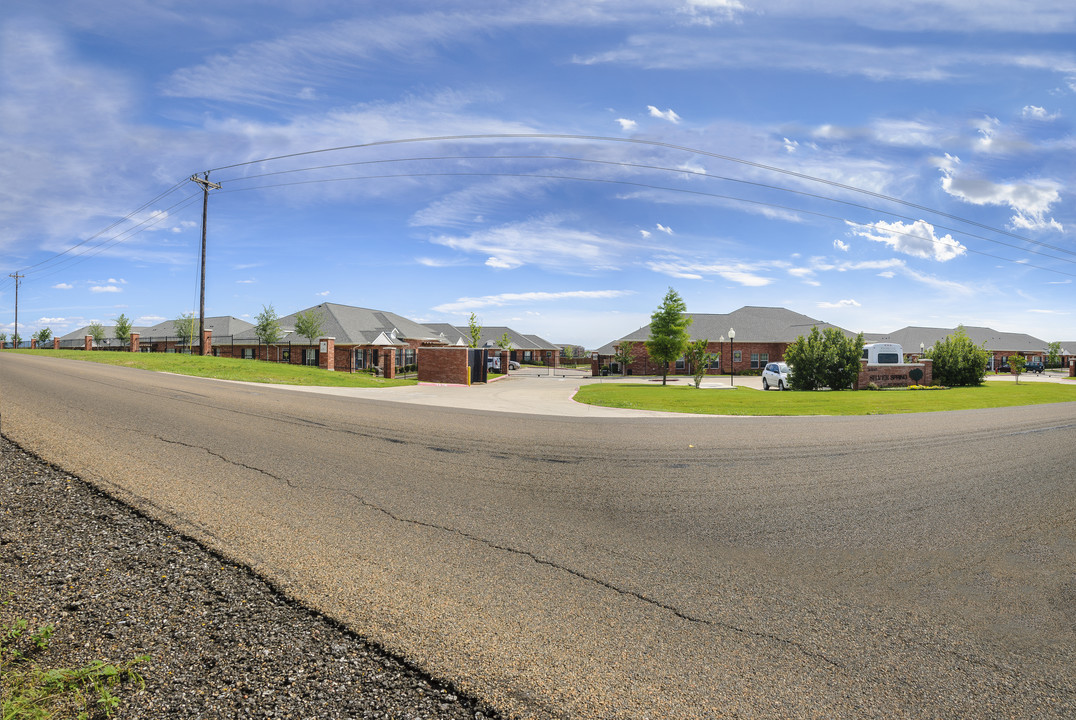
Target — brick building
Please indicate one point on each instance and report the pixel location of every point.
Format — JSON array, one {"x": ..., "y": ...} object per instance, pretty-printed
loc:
[
  {"x": 1000, "y": 345},
  {"x": 762, "y": 336}
]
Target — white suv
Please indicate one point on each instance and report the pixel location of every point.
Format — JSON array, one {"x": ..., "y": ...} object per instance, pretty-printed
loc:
[{"x": 776, "y": 374}]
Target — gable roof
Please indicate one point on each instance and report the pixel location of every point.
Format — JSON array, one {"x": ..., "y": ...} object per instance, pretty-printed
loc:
[
  {"x": 352, "y": 326},
  {"x": 752, "y": 324},
  {"x": 910, "y": 337},
  {"x": 222, "y": 326},
  {"x": 453, "y": 335},
  {"x": 77, "y": 338}
]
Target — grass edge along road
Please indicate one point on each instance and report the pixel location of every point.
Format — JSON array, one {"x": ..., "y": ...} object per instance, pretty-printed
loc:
[
  {"x": 747, "y": 401},
  {"x": 258, "y": 371}
]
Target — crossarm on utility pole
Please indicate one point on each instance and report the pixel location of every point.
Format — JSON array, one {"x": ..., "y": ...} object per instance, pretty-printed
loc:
[{"x": 206, "y": 186}]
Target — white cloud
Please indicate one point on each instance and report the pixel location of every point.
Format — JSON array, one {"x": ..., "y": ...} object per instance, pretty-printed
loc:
[
  {"x": 323, "y": 293},
  {"x": 645, "y": 233},
  {"x": 63, "y": 286},
  {"x": 839, "y": 304},
  {"x": 105, "y": 289},
  {"x": 791, "y": 145},
  {"x": 665, "y": 229},
  {"x": 710, "y": 12},
  {"x": 841, "y": 245},
  {"x": 916, "y": 239},
  {"x": 149, "y": 320},
  {"x": 626, "y": 124},
  {"x": 1030, "y": 200},
  {"x": 468, "y": 304},
  {"x": 739, "y": 273},
  {"x": 666, "y": 115},
  {"x": 887, "y": 274},
  {"x": 245, "y": 282},
  {"x": 1034, "y": 112},
  {"x": 544, "y": 242},
  {"x": 52, "y": 321}
]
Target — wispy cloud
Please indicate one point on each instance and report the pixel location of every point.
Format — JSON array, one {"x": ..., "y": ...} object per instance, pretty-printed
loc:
[
  {"x": 105, "y": 289},
  {"x": 63, "y": 286},
  {"x": 663, "y": 114},
  {"x": 745, "y": 274},
  {"x": 917, "y": 239},
  {"x": 839, "y": 304},
  {"x": 467, "y": 304}
]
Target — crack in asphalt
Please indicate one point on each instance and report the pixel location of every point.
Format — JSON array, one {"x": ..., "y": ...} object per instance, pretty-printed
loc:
[
  {"x": 602, "y": 583},
  {"x": 217, "y": 455}
]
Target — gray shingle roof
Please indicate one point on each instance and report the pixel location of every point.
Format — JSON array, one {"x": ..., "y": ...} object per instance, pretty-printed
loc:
[
  {"x": 910, "y": 337},
  {"x": 221, "y": 326},
  {"x": 352, "y": 326},
  {"x": 752, "y": 324}
]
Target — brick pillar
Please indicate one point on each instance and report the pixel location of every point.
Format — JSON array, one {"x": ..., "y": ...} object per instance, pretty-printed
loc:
[
  {"x": 56, "y": 343},
  {"x": 861, "y": 379},
  {"x": 134, "y": 341},
  {"x": 207, "y": 342},
  {"x": 555, "y": 359},
  {"x": 595, "y": 366},
  {"x": 33, "y": 343},
  {"x": 89, "y": 343},
  {"x": 504, "y": 361},
  {"x": 388, "y": 362},
  {"x": 928, "y": 371},
  {"x": 327, "y": 353},
  {"x": 1072, "y": 368}
]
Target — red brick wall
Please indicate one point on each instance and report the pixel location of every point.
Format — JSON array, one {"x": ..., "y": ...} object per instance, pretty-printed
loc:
[
  {"x": 643, "y": 365},
  {"x": 447, "y": 365}
]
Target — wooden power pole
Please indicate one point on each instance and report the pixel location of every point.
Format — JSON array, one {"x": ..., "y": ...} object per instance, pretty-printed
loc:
[
  {"x": 15, "y": 335},
  {"x": 206, "y": 186}
]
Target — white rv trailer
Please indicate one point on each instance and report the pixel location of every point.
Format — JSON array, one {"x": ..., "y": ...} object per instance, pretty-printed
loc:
[{"x": 883, "y": 354}]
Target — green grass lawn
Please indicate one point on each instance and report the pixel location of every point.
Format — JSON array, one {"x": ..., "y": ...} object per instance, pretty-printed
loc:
[
  {"x": 223, "y": 368},
  {"x": 746, "y": 401}
]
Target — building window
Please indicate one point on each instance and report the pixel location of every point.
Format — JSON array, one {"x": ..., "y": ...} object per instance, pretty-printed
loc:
[
  {"x": 310, "y": 356},
  {"x": 399, "y": 357},
  {"x": 360, "y": 359},
  {"x": 409, "y": 356},
  {"x": 248, "y": 353},
  {"x": 759, "y": 360},
  {"x": 681, "y": 363},
  {"x": 526, "y": 356}
]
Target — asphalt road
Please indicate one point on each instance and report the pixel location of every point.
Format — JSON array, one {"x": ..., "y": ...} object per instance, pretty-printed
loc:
[{"x": 895, "y": 566}]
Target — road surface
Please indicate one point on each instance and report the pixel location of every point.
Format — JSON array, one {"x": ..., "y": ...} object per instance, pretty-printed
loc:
[{"x": 894, "y": 566}]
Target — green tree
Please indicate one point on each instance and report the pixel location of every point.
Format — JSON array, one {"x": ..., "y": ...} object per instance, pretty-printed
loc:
[
  {"x": 824, "y": 359},
  {"x": 505, "y": 343},
  {"x": 1017, "y": 363},
  {"x": 668, "y": 332},
  {"x": 3, "y": 339},
  {"x": 1053, "y": 354},
  {"x": 15, "y": 340},
  {"x": 699, "y": 357},
  {"x": 475, "y": 331},
  {"x": 97, "y": 331},
  {"x": 624, "y": 355},
  {"x": 267, "y": 327},
  {"x": 958, "y": 361},
  {"x": 183, "y": 327},
  {"x": 44, "y": 336},
  {"x": 123, "y": 329},
  {"x": 310, "y": 325}
]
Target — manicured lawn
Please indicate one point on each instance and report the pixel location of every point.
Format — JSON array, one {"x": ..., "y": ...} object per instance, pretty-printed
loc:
[
  {"x": 746, "y": 401},
  {"x": 223, "y": 368}
]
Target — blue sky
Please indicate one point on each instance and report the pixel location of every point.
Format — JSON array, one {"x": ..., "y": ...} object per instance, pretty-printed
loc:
[{"x": 872, "y": 165}]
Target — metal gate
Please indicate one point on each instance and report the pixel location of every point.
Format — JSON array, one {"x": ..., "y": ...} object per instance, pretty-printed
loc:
[{"x": 476, "y": 359}]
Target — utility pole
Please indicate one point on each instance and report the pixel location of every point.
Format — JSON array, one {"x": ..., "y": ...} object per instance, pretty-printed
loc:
[
  {"x": 14, "y": 341},
  {"x": 206, "y": 185}
]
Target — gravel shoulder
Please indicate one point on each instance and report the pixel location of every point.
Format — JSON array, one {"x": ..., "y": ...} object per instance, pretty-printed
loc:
[{"x": 222, "y": 643}]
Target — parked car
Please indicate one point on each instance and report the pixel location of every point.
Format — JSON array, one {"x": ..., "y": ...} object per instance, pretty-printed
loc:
[
  {"x": 1035, "y": 367},
  {"x": 1004, "y": 368},
  {"x": 776, "y": 374}
]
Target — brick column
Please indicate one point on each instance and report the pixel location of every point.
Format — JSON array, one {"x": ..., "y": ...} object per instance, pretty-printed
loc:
[
  {"x": 56, "y": 343},
  {"x": 928, "y": 371},
  {"x": 89, "y": 343},
  {"x": 1072, "y": 368},
  {"x": 207, "y": 342},
  {"x": 33, "y": 343},
  {"x": 327, "y": 353},
  {"x": 388, "y": 362},
  {"x": 504, "y": 361},
  {"x": 134, "y": 341}
]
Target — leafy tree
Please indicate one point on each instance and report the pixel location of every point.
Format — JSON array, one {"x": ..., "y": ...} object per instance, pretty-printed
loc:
[
  {"x": 668, "y": 332},
  {"x": 505, "y": 343},
  {"x": 824, "y": 359},
  {"x": 1053, "y": 354},
  {"x": 44, "y": 336},
  {"x": 183, "y": 326},
  {"x": 1017, "y": 363},
  {"x": 268, "y": 326},
  {"x": 475, "y": 331},
  {"x": 699, "y": 357},
  {"x": 625, "y": 353},
  {"x": 15, "y": 340},
  {"x": 310, "y": 325},
  {"x": 958, "y": 361},
  {"x": 97, "y": 332},
  {"x": 123, "y": 329},
  {"x": 3, "y": 339}
]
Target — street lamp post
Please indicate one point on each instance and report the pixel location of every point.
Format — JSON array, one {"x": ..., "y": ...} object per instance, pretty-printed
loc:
[{"x": 732, "y": 357}]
